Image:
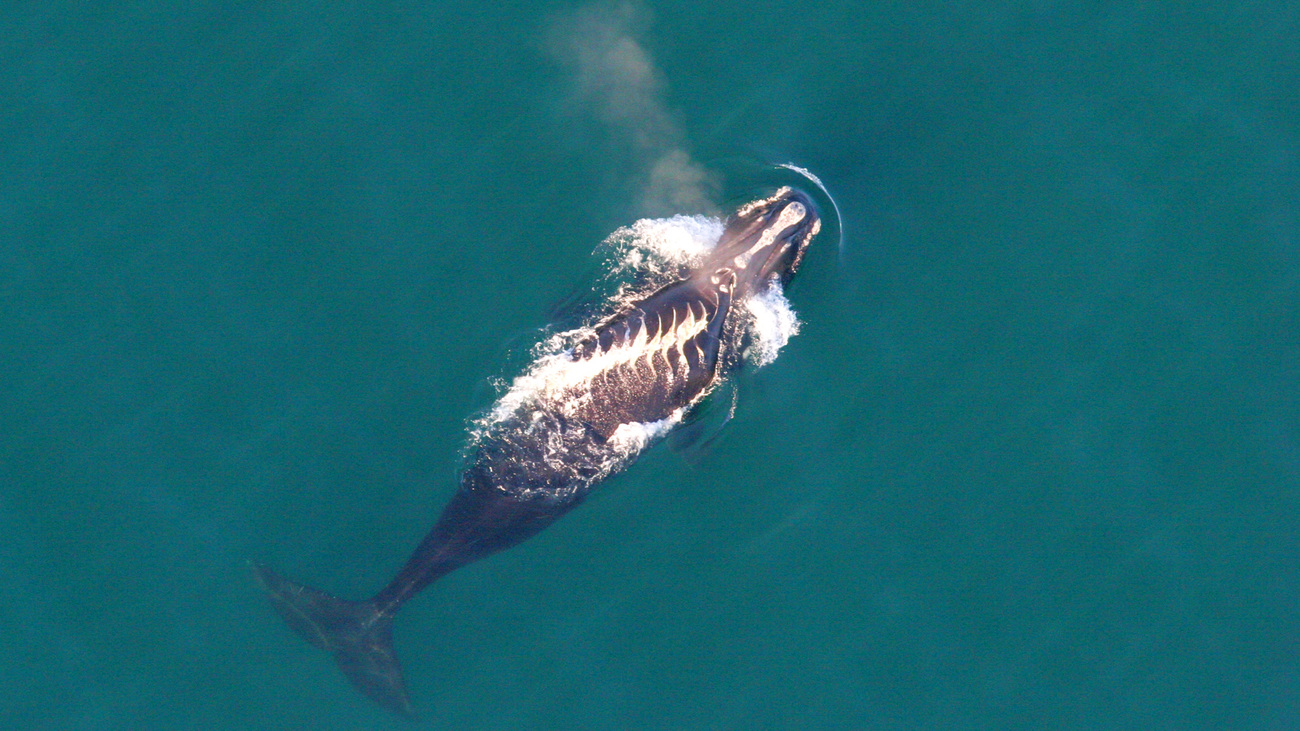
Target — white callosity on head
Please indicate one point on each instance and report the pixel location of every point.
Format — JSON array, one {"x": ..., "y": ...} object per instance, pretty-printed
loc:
[
  {"x": 789, "y": 216},
  {"x": 839, "y": 220}
]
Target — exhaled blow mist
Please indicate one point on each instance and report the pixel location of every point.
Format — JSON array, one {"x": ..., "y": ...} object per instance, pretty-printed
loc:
[{"x": 616, "y": 79}]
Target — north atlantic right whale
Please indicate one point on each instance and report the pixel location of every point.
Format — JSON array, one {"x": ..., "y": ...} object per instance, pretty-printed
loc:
[{"x": 580, "y": 413}]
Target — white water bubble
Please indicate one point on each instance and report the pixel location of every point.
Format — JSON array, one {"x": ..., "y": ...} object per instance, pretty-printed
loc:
[
  {"x": 773, "y": 323},
  {"x": 653, "y": 243},
  {"x": 633, "y": 437}
]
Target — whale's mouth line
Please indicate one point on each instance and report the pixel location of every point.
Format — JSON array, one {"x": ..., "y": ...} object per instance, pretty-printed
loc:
[
  {"x": 785, "y": 234},
  {"x": 769, "y": 269},
  {"x": 766, "y": 239},
  {"x": 773, "y": 237}
]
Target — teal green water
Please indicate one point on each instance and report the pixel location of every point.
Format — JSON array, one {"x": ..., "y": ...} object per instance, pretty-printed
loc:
[{"x": 1033, "y": 462}]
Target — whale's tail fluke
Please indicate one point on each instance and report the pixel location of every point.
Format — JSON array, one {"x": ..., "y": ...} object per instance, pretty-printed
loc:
[{"x": 356, "y": 633}]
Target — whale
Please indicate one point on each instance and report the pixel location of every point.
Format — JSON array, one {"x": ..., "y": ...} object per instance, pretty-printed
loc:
[{"x": 577, "y": 415}]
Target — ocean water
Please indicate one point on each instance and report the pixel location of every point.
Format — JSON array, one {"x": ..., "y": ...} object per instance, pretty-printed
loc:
[{"x": 1032, "y": 461}]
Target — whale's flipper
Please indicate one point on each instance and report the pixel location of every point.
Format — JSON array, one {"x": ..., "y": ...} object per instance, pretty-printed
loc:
[
  {"x": 357, "y": 633},
  {"x": 694, "y": 439}
]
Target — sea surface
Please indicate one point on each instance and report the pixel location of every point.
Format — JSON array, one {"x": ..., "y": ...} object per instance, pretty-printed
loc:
[{"x": 1032, "y": 462}]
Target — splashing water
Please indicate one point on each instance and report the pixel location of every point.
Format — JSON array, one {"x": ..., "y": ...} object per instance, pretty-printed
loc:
[
  {"x": 774, "y": 322},
  {"x": 663, "y": 246}
]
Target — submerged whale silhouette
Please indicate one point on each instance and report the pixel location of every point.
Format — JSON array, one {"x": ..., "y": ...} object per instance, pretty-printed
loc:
[{"x": 576, "y": 417}]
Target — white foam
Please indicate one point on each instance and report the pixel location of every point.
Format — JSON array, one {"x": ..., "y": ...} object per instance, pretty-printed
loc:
[
  {"x": 773, "y": 323},
  {"x": 651, "y": 243},
  {"x": 633, "y": 437}
]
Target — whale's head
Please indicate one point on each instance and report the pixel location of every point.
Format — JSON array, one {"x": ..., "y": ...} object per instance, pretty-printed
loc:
[{"x": 764, "y": 241}]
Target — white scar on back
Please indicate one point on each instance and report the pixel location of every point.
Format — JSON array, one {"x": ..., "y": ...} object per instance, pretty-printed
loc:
[{"x": 568, "y": 376}]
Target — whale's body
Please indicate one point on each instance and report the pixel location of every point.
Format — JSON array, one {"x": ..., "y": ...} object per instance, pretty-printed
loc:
[{"x": 575, "y": 417}]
